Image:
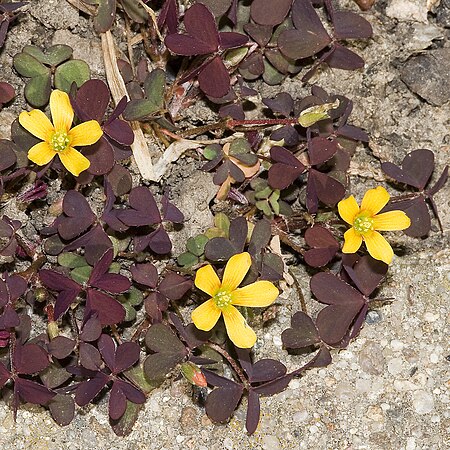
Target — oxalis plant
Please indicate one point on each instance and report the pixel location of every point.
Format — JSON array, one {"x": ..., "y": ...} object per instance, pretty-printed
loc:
[{"x": 122, "y": 313}]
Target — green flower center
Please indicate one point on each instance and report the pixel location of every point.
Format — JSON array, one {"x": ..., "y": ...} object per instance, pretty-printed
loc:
[
  {"x": 59, "y": 141},
  {"x": 362, "y": 223},
  {"x": 223, "y": 299}
]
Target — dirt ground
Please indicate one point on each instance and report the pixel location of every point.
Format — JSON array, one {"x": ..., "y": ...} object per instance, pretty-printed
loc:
[{"x": 391, "y": 388}]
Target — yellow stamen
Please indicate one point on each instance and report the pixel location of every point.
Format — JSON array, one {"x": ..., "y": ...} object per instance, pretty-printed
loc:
[
  {"x": 363, "y": 223},
  {"x": 59, "y": 141},
  {"x": 223, "y": 299}
]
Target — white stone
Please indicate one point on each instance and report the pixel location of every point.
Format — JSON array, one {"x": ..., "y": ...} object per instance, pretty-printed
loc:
[
  {"x": 300, "y": 416},
  {"x": 228, "y": 443},
  {"x": 423, "y": 402},
  {"x": 277, "y": 341},
  {"x": 270, "y": 443},
  {"x": 395, "y": 366},
  {"x": 397, "y": 345}
]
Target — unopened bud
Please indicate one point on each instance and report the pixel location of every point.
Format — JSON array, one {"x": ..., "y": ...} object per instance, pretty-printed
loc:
[
  {"x": 4, "y": 338},
  {"x": 52, "y": 330},
  {"x": 193, "y": 374}
]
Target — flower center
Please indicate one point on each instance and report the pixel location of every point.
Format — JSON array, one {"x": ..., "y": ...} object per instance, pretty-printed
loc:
[
  {"x": 59, "y": 141},
  {"x": 362, "y": 224},
  {"x": 223, "y": 299}
]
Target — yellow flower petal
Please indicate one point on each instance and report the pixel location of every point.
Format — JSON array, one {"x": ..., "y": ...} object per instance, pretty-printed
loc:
[
  {"x": 62, "y": 111},
  {"x": 391, "y": 221},
  {"x": 74, "y": 161},
  {"x": 259, "y": 294},
  {"x": 207, "y": 280},
  {"x": 41, "y": 154},
  {"x": 378, "y": 247},
  {"x": 87, "y": 133},
  {"x": 37, "y": 123},
  {"x": 235, "y": 271},
  {"x": 352, "y": 241},
  {"x": 238, "y": 331},
  {"x": 206, "y": 315},
  {"x": 348, "y": 209},
  {"x": 375, "y": 200}
]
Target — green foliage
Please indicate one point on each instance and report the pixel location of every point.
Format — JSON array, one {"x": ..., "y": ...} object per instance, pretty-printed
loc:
[{"x": 47, "y": 68}]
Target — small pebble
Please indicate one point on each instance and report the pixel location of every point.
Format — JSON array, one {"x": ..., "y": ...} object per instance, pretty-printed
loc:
[
  {"x": 373, "y": 317},
  {"x": 423, "y": 402}
]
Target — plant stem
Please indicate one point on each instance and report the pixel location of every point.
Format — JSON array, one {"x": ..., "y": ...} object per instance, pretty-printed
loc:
[{"x": 231, "y": 361}]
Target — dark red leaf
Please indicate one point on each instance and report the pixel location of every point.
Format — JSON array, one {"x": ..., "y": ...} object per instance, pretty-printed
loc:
[
  {"x": 92, "y": 99},
  {"x": 261, "y": 34},
  {"x": 101, "y": 157},
  {"x": 282, "y": 103},
  {"x": 120, "y": 131},
  {"x": 170, "y": 212},
  {"x": 439, "y": 183},
  {"x": 145, "y": 210},
  {"x": 324, "y": 246},
  {"x": 274, "y": 386},
  {"x": 323, "y": 187},
  {"x": 57, "y": 282},
  {"x": 269, "y": 13},
  {"x": 78, "y": 215},
  {"x": 30, "y": 358},
  {"x": 7, "y": 92},
  {"x": 62, "y": 409},
  {"x": 16, "y": 286},
  {"x": 117, "y": 402},
  {"x": 107, "y": 349},
  {"x": 214, "y": 79},
  {"x": 89, "y": 357},
  {"x": 7, "y": 154},
  {"x": 221, "y": 402},
  {"x": 64, "y": 300},
  {"x": 32, "y": 392},
  {"x": 267, "y": 370},
  {"x": 229, "y": 39},
  {"x": 87, "y": 390},
  {"x": 202, "y": 37},
  {"x": 286, "y": 170},
  {"x": 333, "y": 322},
  {"x": 310, "y": 35},
  {"x": 253, "y": 412},
  {"x": 367, "y": 274},
  {"x": 349, "y": 25},
  {"x": 303, "y": 332},
  {"x": 321, "y": 149},
  {"x": 159, "y": 241},
  {"x": 60, "y": 347},
  {"x": 343, "y": 58},
  {"x": 174, "y": 286},
  {"x": 127, "y": 354},
  {"x": 169, "y": 16},
  {"x": 158, "y": 365},
  {"x": 145, "y": 274},
  {"x": 92, "y": 329},
  {"x": 131, "y": 393},
  {"x": 417, "y": 210},
  {"x": 416, "y": 170},
  {"x": 112, "y": 282},
  {"x": 331, "y": 290},
  {"x": 109, "y": 310},
  {"x": 9, "y": 318},
  {"x": 160, "y": 338},
  {"x": 4, "y": 375}
]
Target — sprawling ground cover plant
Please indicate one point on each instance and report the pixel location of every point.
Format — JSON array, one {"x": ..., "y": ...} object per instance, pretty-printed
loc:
[{"x": 100, "y": 272}]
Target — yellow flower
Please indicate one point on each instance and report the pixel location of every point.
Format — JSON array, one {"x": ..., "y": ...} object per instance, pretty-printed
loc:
[
  {"x": 59, "y": 139},
  {"x": 225, "y": 294},
  {"x": 365, "y": 222}
]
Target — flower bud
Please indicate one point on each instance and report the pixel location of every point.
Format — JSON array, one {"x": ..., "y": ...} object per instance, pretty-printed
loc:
[
  {"x": 193, "y": 374},
  {"x": 52, "y": 330}
]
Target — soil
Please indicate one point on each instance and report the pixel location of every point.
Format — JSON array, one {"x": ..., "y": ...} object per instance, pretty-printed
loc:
[{"x": 390, "y": 388}]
